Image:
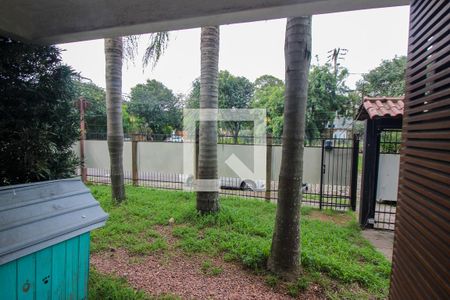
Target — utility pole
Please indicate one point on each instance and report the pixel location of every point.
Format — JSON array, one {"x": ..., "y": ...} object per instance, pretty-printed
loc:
[
  {"x": 82, "y": 104},
  {"x": 334, "y": 56}
]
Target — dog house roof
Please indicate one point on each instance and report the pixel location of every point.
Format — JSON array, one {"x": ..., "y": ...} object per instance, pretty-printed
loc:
[{"x": 35, "y": 216}]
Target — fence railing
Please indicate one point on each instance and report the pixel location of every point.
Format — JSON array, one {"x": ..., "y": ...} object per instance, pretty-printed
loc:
[
  {"x": 221, "y": 139},
  {"x": 390, "y": 141},
  {"x": 333, "y": 196},
  {"x": 334, "y": 191}
]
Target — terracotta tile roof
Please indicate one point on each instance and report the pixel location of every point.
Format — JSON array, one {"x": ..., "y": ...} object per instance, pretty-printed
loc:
[{"x": 381, "y": 107}]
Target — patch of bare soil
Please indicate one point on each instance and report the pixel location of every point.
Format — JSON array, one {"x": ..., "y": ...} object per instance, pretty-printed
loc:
[
  {"x": 176, "y": 273},
  {"x": 182, "y": 276},
  {"x": 340, "y": 219}
]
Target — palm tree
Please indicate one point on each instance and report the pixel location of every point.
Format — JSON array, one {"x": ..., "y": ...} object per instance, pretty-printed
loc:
[
  {"x": 113, "y": 72},
  {"x": 114, "y": 54},
  {"x": 284, "y": 259},
  {"x": 207, "y": 201}
]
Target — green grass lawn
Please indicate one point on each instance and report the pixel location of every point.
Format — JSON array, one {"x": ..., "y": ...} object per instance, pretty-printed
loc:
[{"x": 334, "y": 256}]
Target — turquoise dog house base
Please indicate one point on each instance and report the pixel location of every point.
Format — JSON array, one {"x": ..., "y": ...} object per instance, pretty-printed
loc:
[
  {"x": 44, "y": 239},
  {"x": 57, "y": 272}
]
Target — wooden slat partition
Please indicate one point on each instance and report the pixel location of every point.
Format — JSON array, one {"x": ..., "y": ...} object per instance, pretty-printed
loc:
[{"x": 421, "y": 258}]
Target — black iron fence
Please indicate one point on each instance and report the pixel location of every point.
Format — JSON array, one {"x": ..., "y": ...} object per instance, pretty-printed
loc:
[
  {"x": 329, "y": 197},
  {"x": 338, "y": 181},
  {"x": 390, "y": 141},
  {"x": 221, "y": 139},
  {"x": 336, "y": 189},
  {"x": 385, "y": 211}
]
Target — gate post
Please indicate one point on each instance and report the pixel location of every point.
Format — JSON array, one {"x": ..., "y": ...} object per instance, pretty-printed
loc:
[
  {"x": 82, "y": 103},
  {"x": 196, "y": 151},
  {"x": 134, "y": 160},
  {"x": 354, "y": 172},
  {"x": 369, "y": 175},
  {"x": 268, "y": 167},
  {"x": 322, "y": 172}
]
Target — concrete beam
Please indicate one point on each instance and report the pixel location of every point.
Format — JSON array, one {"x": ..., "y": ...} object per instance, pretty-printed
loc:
[{"x": 56, "y": 21}]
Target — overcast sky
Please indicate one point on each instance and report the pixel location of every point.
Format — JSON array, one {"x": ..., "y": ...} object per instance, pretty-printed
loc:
[{"x": 255, "y": 49}]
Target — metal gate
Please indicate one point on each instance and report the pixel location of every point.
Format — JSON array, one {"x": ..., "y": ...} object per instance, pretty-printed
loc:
[
  {"x": 387, "y": 179},
  {"x": 339, "y": 174}
]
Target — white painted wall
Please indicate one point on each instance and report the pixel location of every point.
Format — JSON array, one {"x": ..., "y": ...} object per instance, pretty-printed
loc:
[
  {"x": 160, "y": 156},
  {"x": 97, "y": 155},
  {"x": 168, "y": 158},
  {"x": 388, "y": 173},
  {"x": 248, "y": 155},
  {"x": 311, "y": 164}
]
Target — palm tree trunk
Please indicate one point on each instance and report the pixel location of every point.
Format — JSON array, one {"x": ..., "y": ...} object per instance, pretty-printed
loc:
[
  {"x": 207, "y": 201},
  {"x": 284, "y": 257},
  {"x": 113, "y": 71}
]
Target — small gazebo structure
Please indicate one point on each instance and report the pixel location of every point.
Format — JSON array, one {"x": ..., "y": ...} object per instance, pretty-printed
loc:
[{"x": 380, "y": 113}]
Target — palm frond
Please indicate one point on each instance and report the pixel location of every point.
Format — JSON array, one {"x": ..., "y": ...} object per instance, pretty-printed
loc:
[
  {"x": 158, "y": 43},
  {"x": 130, "y": 47}
]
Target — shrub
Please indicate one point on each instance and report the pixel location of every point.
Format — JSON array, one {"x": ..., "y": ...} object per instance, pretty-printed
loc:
[{"x": 39, "y": 121}]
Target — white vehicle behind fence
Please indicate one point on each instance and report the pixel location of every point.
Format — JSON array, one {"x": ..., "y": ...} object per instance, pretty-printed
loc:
[
  {"x": 258, "y": 185},
  {"x": 242, "y": 184},
  {"x": 231, "y": 183}
]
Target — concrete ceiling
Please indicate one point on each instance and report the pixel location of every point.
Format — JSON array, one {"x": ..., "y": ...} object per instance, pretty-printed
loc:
[{"x": 60, "y": 21}]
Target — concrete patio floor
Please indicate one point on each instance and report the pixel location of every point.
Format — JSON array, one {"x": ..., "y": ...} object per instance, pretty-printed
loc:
[{"x": 382, "y": 240}]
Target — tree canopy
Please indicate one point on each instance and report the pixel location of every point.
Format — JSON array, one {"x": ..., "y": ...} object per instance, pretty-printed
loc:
[
  {"x": 388, "y": 79},
  {"x": 95, "y": 114},
  {"x": 39, "y": 122},
  {"x": 152, "y": 108},
  {"x": 234, "y": 92},
  {"x": 156, "y": 105},
  {"x": 328, "y": 97},
  {"x": 269, "y": 94}
]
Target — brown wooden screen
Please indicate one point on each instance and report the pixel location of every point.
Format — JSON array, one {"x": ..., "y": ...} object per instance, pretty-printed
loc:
[{"x": 421, "y": 259}]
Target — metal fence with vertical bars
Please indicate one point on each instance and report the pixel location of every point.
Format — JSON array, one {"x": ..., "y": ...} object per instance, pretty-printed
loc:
[
  {"x": 385, "y": 211},
  {"x": 335, "y": 187}
]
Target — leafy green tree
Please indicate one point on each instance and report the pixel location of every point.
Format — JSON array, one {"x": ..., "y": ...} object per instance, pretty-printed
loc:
[
  {"x": 328, "y": 96},
  {"x": 39, "y": 122},
  {"x": 269, "y": 94},
  {"x": 388, "y": 79},
  {"x": 193, "y": 99},
  {"x": 234, "y": 92},
  {"x": 267, "y": 80},
  {"x": 133, "y": 124},
  {"x": 95, "y": 114},
  {"x": 156, "y": 105}
]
